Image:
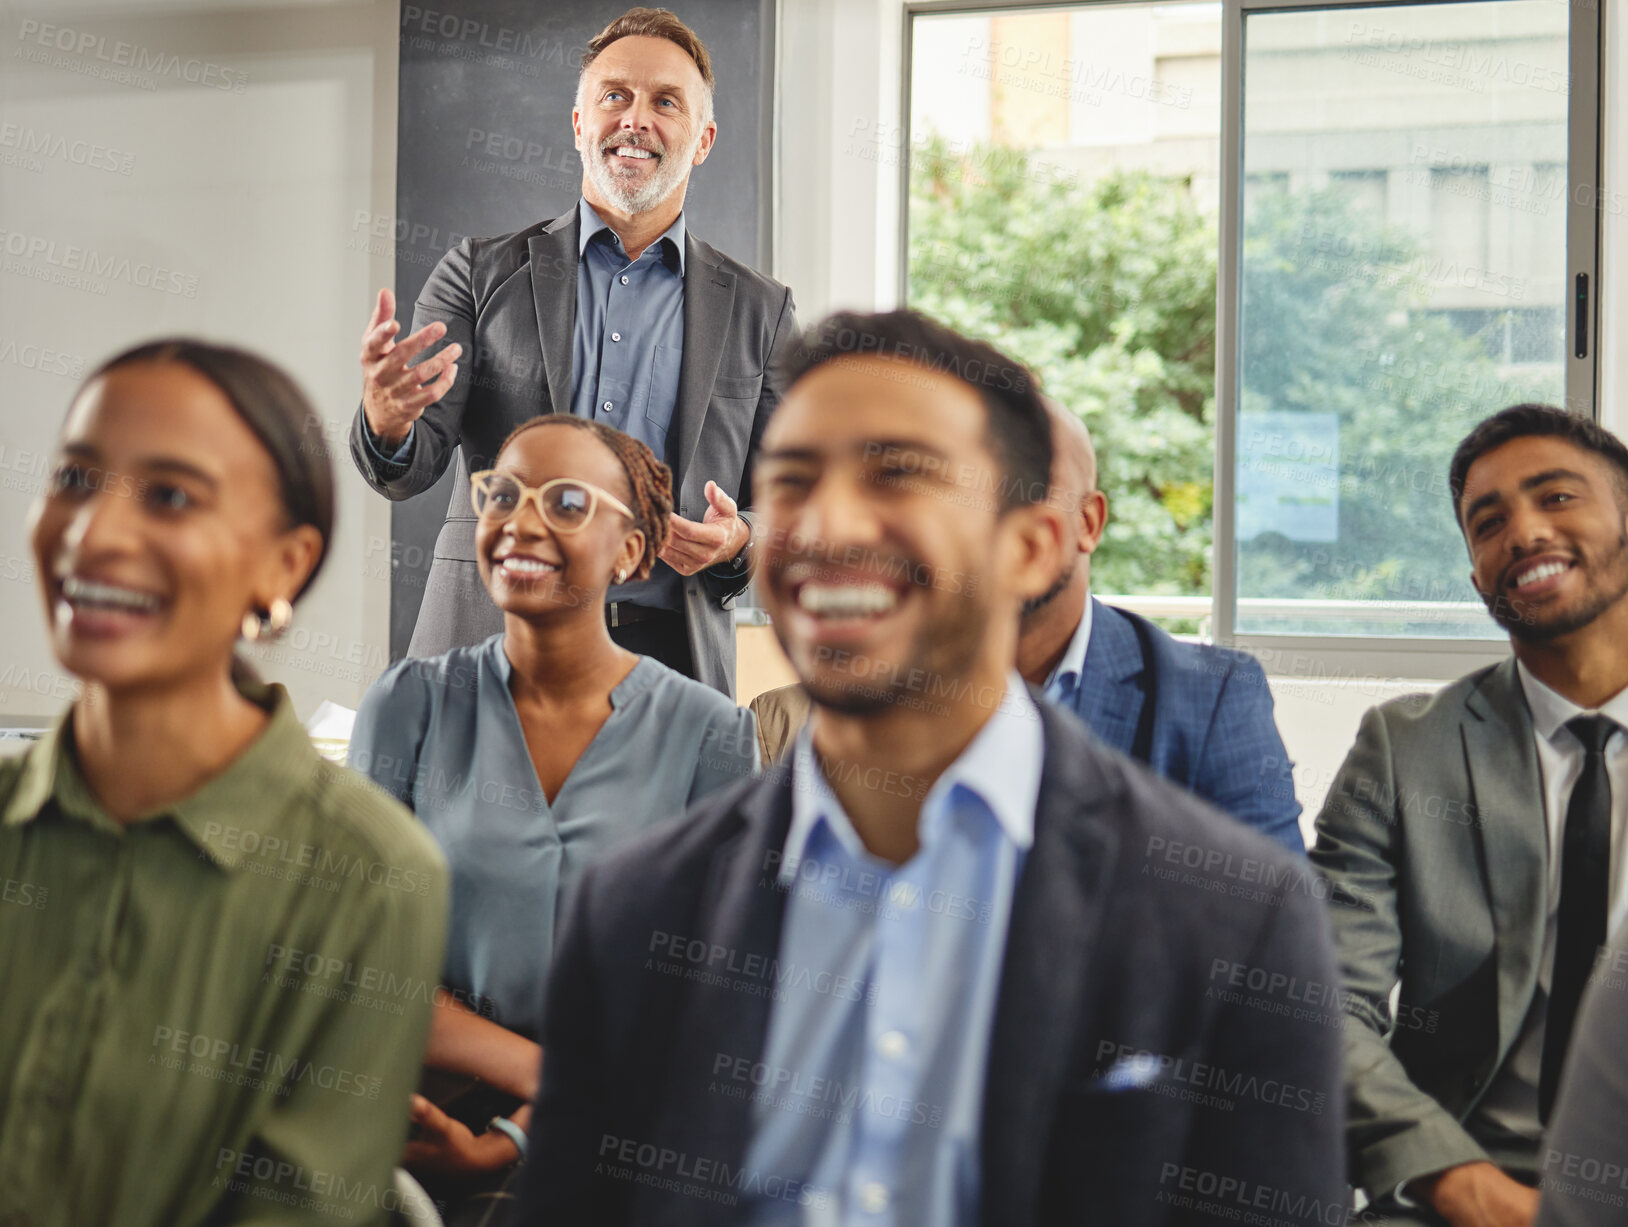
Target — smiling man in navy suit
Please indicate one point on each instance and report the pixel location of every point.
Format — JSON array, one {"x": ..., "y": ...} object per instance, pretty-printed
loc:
[{"x": 1199, "y": 715}]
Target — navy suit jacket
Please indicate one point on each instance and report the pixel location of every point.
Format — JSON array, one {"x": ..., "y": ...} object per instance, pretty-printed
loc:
[
  {"x": 1144, "y": 922},
  {"x": 1213, "y": 730}
]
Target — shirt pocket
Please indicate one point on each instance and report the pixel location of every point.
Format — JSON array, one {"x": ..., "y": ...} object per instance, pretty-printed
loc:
[{"x": 662, "y": 396}]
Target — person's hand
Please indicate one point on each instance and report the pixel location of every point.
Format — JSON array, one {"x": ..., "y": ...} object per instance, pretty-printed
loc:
[
  {"x": 393, "y": 393},
  {"x": 1479, "y": 1195},
  {"x": 444, "y": 1145},
  {"x": 720, "y": 535}
]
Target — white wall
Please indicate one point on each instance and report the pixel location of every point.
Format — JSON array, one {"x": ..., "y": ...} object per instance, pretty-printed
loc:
[
  {"x": 840, "y": 142},
  {"x": 252, "y": 194}
]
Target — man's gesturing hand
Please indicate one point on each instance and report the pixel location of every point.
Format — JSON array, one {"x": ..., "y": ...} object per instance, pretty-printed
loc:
[
  {"x": 720, "y": 535},
  {"x": 393, "y": 393}
]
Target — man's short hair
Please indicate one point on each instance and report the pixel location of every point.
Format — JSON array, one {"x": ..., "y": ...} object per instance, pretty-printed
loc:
[
  {"x": 1527, "y": 421},
  {"x": 1018, "y": 429},
  {"x": 654, "y": 23}
]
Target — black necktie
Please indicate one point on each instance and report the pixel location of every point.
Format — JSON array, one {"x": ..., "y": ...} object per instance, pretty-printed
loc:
[{"x": 1585, "y": 868}]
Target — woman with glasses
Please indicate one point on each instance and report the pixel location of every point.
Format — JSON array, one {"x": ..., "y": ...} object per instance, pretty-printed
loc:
[
  {"x": 534, "y": 751},
  {"x": 189, "y": 895}
]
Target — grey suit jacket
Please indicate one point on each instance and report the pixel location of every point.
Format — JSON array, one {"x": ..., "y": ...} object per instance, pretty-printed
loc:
[
  {"x": 1585, "y": 1152},
  {"x": 511, "y": 303},
  {"x": 1433, "y": 841}
]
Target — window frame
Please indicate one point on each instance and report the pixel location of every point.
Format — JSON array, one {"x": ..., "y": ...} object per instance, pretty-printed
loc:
[
  {"x": 1330, "y": 657},
  {"x": 1343, "y": 656}
]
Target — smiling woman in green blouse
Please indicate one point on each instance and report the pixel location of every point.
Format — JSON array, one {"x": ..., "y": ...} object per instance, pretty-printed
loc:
[{"x": 218, "y": 952}]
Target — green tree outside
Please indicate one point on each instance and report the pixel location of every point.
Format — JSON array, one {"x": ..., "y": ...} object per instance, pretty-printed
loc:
[{"x": 1108, "y": 291}]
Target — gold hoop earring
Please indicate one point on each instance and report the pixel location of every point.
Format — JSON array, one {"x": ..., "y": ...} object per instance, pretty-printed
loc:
[
  {"x": 273, "y": 624},
  {"x": 282, "y": 613}
]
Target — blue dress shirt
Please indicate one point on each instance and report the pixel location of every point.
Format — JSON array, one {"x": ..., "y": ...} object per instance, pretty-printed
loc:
[
  {"x": 629, "y": 338},
  {"x": 626, "y": 352},
  {"x": 1065, "y": 678},
  {"x": 441, "y": 735},
  {"x": 874, "y": 1063}
]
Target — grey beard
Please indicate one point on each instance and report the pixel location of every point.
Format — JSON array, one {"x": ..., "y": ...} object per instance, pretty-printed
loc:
[{"x": 641, "y": 200}]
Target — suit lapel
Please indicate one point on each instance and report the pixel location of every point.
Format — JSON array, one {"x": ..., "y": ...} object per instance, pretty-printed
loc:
[
  {"x": 554, "y": 260},
  {"x": 1109, "y": 697},
  {"x": 1045, "y": 979},
  {"x": 1507, "y": 790},
  {"x": 709, "y": 299},
  {"x": 741, "y": 913}
]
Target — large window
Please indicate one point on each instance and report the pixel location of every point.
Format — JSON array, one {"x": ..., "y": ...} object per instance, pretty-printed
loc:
[
  {"x": 1394, "y": 205},
  {"x": 1063, "y": 202},
  {"x": 1376, "y": 325}
]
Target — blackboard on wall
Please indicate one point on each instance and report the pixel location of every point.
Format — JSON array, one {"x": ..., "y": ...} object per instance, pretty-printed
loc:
[{"x": 485, "y": 148}]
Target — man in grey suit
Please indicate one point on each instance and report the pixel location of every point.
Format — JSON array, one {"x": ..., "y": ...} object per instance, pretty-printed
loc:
[
  {"x": 1469, "y": 837},
  {"x": 613, "y": 311}
]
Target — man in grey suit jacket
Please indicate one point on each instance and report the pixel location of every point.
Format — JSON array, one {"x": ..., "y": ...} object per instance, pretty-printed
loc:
[
  {"x": 1468, "y": 837},
  {"x": 613, "y": 311}
]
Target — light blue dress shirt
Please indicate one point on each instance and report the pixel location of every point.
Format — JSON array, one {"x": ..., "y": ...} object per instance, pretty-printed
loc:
[
  {"x": 1065, "y": 678},
  {"x": 441, "y": 735},
  {"x": 873, "y": 1070}
]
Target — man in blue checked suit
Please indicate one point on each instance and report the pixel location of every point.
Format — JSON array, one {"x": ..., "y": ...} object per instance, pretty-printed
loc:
[{"x": 1199, "y": 715}]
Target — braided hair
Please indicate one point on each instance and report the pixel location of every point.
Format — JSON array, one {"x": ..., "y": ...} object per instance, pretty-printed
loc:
[{"x": 650, "y": 482}]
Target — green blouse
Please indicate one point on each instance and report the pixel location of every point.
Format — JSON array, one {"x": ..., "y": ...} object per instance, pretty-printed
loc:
[{"x": 214, "y": 1014}]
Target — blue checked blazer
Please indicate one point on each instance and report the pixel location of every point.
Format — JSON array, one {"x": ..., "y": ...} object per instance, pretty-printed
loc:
[{"x": 1212, "y": 731}]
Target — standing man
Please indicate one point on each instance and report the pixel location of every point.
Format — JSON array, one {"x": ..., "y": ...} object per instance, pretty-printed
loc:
[
  {"x": 938, "y": 972},
  {"x": 1474, "y": 839},
  {"x": 1198, "y": 715},
  {"x": 613, "y": 311}
]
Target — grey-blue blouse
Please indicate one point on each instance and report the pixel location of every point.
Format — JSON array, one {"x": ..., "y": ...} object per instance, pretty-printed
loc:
[{"x": 441, "y": 734}]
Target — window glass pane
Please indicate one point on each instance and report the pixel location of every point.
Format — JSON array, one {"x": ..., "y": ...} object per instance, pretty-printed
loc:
[
  {"x": 1064, "y": 186},
  {"x": 1403, "y": 276}
]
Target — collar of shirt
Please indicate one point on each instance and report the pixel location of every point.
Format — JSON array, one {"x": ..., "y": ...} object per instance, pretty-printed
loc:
[
  {"x": 1001, "y": 766},
  {"x": 264, "y": 779},
  {"x": 590, "y": 226},
  {"x": 1550, "y": 709},
  {"x": 1073, "y": 660},
  {"x": 645, "y": 673}
]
